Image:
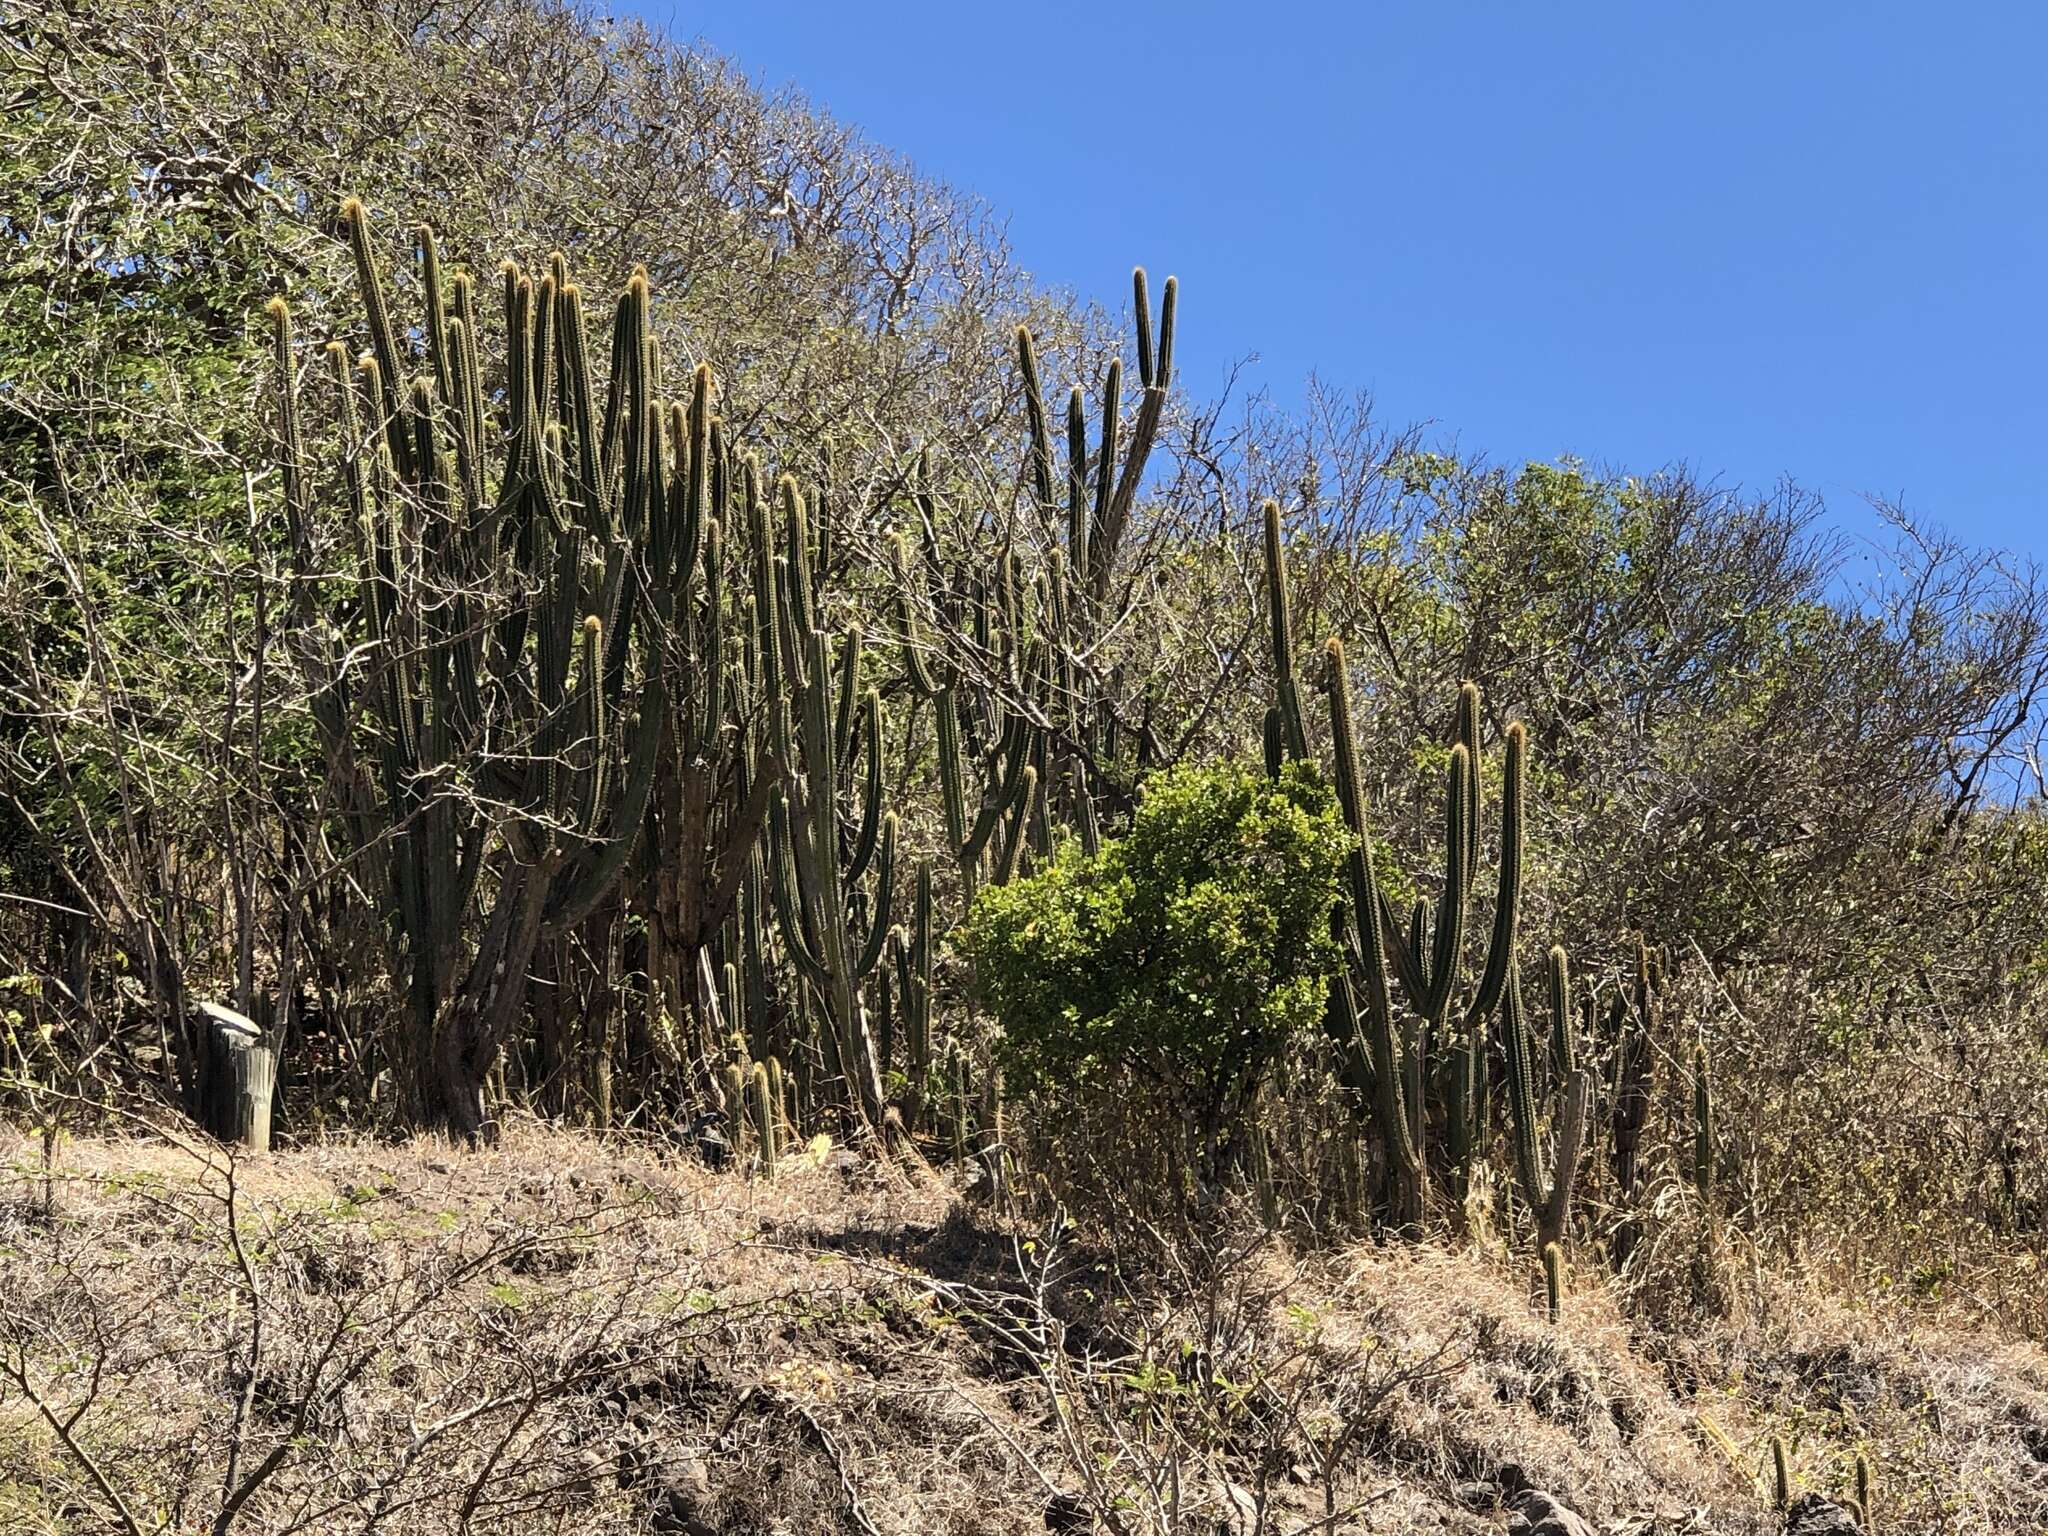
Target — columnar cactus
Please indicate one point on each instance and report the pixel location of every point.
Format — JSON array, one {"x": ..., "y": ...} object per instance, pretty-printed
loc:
[
  {"x": 912, "y": 950},
  {"x": 1548, "y": 1191},
  {"x": 1286, "y": 737},
  {"x": 766, "y": 1116},
  {"x": 1006, "y": 804},
  {"x": 1095, "y": 526},
  {"x": 1381, "y": 1056},
  {"x": 1633, "y": 1024},
  {"x": 834, "y": 922},
  {"x": 1429, "y": 959}
]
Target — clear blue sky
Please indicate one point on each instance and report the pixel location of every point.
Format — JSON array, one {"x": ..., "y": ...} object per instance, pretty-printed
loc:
[{"x": 1793, "y": 239}]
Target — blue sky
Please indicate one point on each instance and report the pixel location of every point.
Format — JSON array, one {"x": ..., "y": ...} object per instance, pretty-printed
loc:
[{"x": 1800, "y": 239}]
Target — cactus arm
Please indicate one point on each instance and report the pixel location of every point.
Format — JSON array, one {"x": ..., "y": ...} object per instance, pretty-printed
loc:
[
  {"x": 1399, "y": 1107},
  {"x": 1563, "y": 1052},
  {"x": 799, "y": 930},
  {"x": 1293, "y": 737},
  {"x": 1034, "y": 416},
  {"x": 1079, "y": 536},
  {"x": 871, "y": 794},
  {"x": 383, "y": 339},
  {"x": 1408, "y": 951},
  {"x": 1151, "y": 409},
  {"x": 849, "y": 696},
  {"x": 916, "y": 665},
  {"x": 1521, "y": 1094},
  {"x": 1105, "y": 461},
  {"x": 1013, "y": 843},
  {"x": 1015, "y": 753},
  {"x": 1508, "y": 902},
  {"x": 885, "y": 896},
  {"x": 1450, "y": 912},
  {"x": 596, "y": 879}
]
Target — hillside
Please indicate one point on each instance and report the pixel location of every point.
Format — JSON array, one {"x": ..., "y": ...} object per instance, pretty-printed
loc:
[
  {"x": 677, "y": 853},
  {"x": 558, "y": 1334}
]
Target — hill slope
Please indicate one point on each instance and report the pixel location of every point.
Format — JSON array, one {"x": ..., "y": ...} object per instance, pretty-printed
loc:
[{"x": 558, "y": 1335}]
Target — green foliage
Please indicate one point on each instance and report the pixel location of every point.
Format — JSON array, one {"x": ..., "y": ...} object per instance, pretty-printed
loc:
[{"x": 1189, "y": 951}]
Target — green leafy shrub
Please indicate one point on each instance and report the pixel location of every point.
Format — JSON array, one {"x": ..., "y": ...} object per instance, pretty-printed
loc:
[{"x": 1184, "y": 955}]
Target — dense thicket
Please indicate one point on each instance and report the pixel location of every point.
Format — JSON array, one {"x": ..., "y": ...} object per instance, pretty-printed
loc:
[{"x": 921, "y": 612}]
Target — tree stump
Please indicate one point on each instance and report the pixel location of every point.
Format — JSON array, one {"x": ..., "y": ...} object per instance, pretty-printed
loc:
[{"x": 237, "y": 1076}]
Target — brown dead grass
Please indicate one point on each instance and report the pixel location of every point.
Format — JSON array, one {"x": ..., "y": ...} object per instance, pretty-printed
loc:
[{"x": 554, "y": 1335}]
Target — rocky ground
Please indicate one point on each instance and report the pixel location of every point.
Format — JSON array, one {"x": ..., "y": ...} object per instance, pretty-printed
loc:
[{"x": 558, "y": 1336}]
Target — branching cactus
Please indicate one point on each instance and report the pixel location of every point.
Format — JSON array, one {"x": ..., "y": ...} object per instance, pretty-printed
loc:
[
  {"x": 1007, "y": 658},
  {"x": 1430, "y": 958},
  {"x": 1096, "y": 517},
  {"x": 1546, "y": 1183},
  {"x": 1379, "y": 1052},
  {"x": 984, "y": 843}
]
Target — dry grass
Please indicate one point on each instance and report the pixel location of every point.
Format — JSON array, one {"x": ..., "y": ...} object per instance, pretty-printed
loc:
[{"x": 557, "y": 1336}]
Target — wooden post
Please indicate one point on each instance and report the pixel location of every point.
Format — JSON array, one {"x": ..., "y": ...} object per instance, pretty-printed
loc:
[{"x": 237, "y": 1076}]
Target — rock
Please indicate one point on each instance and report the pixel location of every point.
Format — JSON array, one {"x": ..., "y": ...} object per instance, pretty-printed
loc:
[
  {"x": 679, "y": 1502},
  {"x": 1812, "y": 1515},
  {"x": 1538, "y": 1514}
]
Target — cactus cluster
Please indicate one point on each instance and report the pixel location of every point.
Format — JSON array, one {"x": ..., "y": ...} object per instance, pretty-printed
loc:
[
  {"x": 831, "y": 845},
  {"x": 1448, "y": 1016},
  {"x": 1419, "y": 1022},
  {"x": 533, "y": 594},
  {"x": 579, "y": 670},
  {"x": 582, "y": 671}
]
